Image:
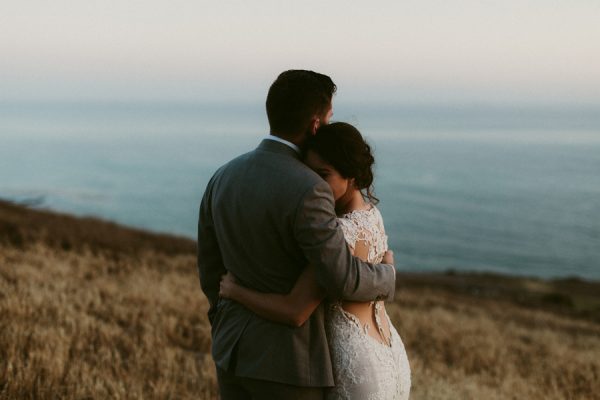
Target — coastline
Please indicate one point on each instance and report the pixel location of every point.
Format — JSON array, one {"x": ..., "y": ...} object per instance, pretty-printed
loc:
[
  {"x": 19, "y": 223},
  {"x": 87, "y": 300}
]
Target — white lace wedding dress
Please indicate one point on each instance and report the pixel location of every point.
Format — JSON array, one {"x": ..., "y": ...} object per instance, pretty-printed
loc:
[{"x": 364, "y": 367}]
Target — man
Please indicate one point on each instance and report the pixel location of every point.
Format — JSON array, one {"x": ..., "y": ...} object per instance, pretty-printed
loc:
[{"x": 264, "y": 216}]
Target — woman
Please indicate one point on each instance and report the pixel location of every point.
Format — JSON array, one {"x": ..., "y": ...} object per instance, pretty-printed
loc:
[{"x": 369, "y": 359}]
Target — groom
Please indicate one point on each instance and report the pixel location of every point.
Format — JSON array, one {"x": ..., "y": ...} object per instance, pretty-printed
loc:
[{"x": 264, "y": 216}]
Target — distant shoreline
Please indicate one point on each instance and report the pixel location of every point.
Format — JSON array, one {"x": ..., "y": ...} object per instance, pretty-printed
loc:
[
  {"x": 35, "y": 206},
  {"x": 22, "y": 227}
]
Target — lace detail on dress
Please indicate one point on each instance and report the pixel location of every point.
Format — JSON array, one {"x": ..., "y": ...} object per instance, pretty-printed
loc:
[
  {"x": 363, "y": 367},
  {"x": 367, "y": 226}
]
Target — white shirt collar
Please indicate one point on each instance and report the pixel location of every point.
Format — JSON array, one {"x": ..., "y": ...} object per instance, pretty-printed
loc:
[{"x": 287, "y": 143}]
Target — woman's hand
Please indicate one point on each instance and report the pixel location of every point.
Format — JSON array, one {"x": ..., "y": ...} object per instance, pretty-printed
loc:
[
  {"x": 228, "y": 286},
  {"x": 388, "y": 257}
]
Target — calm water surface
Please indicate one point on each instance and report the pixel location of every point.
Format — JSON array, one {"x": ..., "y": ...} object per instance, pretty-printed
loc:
[{"x": 494, "y": 189}]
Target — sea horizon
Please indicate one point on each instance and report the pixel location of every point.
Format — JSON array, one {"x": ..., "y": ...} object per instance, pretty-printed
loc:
[{"x": 511, "y": 189}]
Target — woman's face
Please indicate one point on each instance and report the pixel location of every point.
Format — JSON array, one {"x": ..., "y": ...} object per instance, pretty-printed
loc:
[{"x": 339, "y": 185}]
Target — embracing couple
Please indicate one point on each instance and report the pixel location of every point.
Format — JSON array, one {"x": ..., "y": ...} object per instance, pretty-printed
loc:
[{"x": 292, "y": 255}]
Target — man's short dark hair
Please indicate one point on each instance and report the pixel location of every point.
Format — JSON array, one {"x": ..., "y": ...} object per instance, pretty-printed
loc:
[{"x": 295, "y": 98}]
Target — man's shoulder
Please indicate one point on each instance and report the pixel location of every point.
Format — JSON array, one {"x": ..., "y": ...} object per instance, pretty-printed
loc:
[
  {"x": 276, "y": 168},
  {"x": 230, "y": 165}
]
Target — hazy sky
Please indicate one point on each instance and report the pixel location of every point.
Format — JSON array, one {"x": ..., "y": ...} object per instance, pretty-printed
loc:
[{"x": 391, "y": 50}]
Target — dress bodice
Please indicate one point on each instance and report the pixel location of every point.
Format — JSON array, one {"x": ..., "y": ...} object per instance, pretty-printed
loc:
[
  {"x": 367, "y": 226},
  {"x": 364, "y": 367}
]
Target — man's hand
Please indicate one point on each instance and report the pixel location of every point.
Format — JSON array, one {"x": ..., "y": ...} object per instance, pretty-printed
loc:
[
  {"x": 227, "y": 286},
  {"x": 388, "y": 258}
]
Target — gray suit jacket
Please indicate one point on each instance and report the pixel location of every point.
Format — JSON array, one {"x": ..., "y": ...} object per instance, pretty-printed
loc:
[{"x": 264, "y": 216}]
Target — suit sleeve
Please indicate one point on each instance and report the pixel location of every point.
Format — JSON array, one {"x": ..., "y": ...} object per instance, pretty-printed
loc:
[
  {"x": 210, "y": 261},
  {"x": 342, "y": 275}
]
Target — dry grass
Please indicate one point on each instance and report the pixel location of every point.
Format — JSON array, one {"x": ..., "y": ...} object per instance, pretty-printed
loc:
[
  {"x": 83, "y": 326},
  {"x": 465, "y": 349},
  {"x": 100, "y": 319}
]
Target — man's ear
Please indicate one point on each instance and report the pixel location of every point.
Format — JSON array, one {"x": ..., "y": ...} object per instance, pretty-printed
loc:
[{"x": 314, "y": 125}]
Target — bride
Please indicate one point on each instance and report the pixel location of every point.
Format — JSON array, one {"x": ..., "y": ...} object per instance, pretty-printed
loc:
[{"x": 369, "y": 359}]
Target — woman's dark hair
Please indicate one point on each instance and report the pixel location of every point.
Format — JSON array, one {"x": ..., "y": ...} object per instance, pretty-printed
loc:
[
  {"x": 341, "y": 145},
  {"x": 295, "y": 98}
]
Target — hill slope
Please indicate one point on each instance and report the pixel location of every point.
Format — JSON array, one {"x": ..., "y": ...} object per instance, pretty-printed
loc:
[{"x": 91, "y": 309}]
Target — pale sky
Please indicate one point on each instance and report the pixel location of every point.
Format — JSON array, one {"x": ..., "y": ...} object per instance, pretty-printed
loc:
[{"x": 541, "y": 51}]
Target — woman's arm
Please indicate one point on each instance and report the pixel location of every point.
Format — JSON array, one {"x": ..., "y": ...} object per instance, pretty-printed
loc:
[{"x": 293, "y": 308}]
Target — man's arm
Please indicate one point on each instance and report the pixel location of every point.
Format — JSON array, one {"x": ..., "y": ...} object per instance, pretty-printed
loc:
[
  {"x": 322, "y": 241},
  {"x": 210, "y": 262}
]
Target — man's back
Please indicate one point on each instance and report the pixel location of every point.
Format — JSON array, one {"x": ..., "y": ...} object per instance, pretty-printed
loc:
[
  {"x": 255, "y": 198},
  {"x": 253, "y": 204}
]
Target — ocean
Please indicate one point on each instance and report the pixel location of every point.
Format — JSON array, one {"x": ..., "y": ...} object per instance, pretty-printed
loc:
[{"x": 504, "y": 189}]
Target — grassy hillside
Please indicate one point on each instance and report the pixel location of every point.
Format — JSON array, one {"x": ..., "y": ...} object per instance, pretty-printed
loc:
[{"x": 90, "y": 309}]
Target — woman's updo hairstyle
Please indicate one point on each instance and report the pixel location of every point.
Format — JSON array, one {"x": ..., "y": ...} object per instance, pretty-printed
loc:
[{"x": 342, "y": 146}]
